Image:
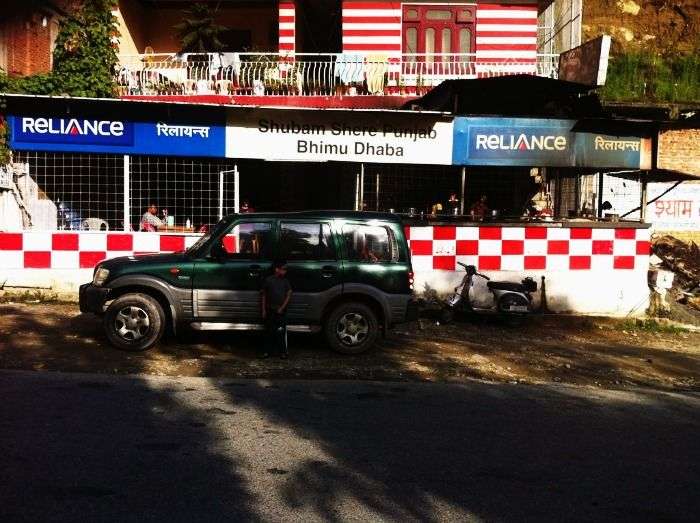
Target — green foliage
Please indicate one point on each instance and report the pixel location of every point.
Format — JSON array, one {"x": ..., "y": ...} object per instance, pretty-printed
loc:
[
  {"x": 85, "y": 57},
  {"x": 198, "y": 31},
  {"x": 644, "y": 77},
  {"x": 85, "y": 60},
  {"x": 4, "y": 137},
  {"x": 36, "y": 84},
  {"x": 650, "y": 325}
]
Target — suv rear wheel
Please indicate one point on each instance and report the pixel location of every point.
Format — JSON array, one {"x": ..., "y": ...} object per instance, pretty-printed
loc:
[
  {"x": 134, "y": 322},
  {"x": 352, "y": 328}
]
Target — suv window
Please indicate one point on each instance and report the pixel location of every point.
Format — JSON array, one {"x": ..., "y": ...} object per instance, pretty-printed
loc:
[
  {"x": 247, "y": 241},
  {"x": 369, "y": 243},
  {"x": 306, "y": 241}
]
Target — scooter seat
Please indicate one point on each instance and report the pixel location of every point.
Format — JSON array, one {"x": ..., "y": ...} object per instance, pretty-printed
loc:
[{"x": 506, "y": 286}]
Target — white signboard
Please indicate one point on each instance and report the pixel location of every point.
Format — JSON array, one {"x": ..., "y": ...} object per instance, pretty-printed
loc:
[
  {"x": 349, "y": 136},
  {"x": 678, "y": 210}
]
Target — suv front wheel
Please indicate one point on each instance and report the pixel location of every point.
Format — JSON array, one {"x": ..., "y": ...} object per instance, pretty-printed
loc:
[
  {"x": 352, "y": 328},
  {"x": 134, "y": 322}
]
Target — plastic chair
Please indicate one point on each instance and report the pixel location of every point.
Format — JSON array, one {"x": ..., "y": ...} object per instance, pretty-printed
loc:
[{"x": 95, "y": 224}]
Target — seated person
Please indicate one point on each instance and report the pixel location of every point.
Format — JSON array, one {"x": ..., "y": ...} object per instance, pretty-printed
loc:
[
  {"x": 480, "y": 208},
  {"x": 150, "y": 221}
]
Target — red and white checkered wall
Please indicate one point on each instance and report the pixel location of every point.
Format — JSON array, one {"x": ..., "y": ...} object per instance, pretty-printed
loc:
[
  {"x": 81, "y": 250},
  {"x": 528, "y": 248},
  {"x": 433, "y": 248}
]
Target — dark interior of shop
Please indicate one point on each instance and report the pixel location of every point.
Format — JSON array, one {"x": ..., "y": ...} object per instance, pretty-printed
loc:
[{"x": 290, "y": 186}]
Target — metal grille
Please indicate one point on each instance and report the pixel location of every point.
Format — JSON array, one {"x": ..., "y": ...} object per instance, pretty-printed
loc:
[
  {"x": 567, "y": 195},
  {"x": 72, "y": 191},
  {"x": 623, "y": 194},
  {"x": 185, "y": 189},
  {"x": 402, "y": 187}
]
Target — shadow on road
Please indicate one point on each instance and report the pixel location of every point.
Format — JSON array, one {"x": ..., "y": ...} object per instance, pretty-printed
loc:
[
  {"x": 98, "y": 448},
  {"x": 496, "y": 452},
  {"x": 94, "y": 448},
  {"x": 84, "y": 448}
]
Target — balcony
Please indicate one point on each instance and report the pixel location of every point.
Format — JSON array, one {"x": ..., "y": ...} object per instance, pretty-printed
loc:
[{"x": 308, "y": 75}]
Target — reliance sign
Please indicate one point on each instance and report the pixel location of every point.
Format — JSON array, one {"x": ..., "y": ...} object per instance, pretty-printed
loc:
[
  {"x": 513, "y": 141},
  {"x": 521, "y": 142},
  {"x": 73, "y": 131}
]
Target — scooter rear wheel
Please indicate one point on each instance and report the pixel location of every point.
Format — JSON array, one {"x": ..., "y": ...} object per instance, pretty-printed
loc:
[{"x": 510, "y": 303}]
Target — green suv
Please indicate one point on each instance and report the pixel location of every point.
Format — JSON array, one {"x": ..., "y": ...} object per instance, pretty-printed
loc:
[{"x": 350, "y": 274}]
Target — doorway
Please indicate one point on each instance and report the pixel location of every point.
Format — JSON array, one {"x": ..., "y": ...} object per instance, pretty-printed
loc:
[{"x": 296, "y": 186}]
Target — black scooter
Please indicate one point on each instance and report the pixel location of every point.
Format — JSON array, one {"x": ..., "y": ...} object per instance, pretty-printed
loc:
[{"x": 508, "y": 297}]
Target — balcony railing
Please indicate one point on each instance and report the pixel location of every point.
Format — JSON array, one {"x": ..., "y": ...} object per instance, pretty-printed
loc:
[{"x": 270, "y": 74}]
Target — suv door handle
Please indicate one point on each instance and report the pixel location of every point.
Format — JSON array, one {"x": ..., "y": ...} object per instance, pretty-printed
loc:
[
  {"x": 254, "y": 271},
  {"x": 328, "y": 270}
]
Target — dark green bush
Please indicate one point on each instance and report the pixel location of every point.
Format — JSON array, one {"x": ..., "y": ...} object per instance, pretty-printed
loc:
[{"x": 644, "y": 77}]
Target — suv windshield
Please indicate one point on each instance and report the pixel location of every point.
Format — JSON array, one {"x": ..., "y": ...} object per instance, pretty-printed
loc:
[{"x": 215, "y": 231}]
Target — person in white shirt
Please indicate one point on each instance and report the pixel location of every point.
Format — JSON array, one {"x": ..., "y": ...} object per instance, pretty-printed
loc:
[{"x": 150, "y": 221}]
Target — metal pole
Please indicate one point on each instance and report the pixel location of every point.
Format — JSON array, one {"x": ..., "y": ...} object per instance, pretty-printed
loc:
[
  {"x": 377, "y": 193},
  {"x": 236, "y": 190},
  {"x": 362, "y": 187},
  {"x": 601, "y": 179},
  {"x": 357, "y": 191},
  {"x": 643, "y": 197},
  {"x": 221, "y": 195},
  {"x": 464, "y": 188},
  {"x": 127, "y": 208}
]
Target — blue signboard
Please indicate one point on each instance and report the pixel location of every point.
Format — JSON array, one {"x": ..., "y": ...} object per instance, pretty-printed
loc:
[
  {"x": 87, "y": 135},
  {"x": 512, "y": 141},
  {"x": 602, "y": 150},
  {"x": 540, "y": 142}
]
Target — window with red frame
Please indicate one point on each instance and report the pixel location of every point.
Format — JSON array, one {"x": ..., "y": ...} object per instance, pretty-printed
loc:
[{"x": 431, "y": 30}]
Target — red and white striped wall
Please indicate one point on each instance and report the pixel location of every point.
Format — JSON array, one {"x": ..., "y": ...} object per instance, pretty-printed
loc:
[
  {"x": 287, "y": 26},
  {"x": 372, "y": 27},
  {"x": 588, "y": 270},
  {"x": 505, "y": 33}
]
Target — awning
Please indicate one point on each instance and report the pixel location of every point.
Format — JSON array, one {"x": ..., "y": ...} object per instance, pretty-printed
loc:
[{"x": 511, "y": 95}]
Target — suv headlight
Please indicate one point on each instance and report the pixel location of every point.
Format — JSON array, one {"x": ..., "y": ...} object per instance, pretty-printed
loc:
[{"x": 101, "y": 275}]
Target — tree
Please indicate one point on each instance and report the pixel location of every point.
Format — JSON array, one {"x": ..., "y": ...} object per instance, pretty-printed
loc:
[
  {"x": 85, "y": 56},
  {"x": 198, "y": 31}
]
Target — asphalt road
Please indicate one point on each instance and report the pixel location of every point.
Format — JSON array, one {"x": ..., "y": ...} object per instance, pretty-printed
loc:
[{"x": 94, "y": 448}]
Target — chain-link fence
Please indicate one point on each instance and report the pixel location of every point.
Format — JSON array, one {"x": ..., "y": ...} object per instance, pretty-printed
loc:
[
  {"x": 189, "y": 192},
  {"x": 62, "y": 191},
  {"x": 71, "y": 191}
]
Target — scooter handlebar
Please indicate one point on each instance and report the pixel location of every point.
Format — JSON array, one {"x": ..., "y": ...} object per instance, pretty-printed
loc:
[{"x": 473, "y": 270}]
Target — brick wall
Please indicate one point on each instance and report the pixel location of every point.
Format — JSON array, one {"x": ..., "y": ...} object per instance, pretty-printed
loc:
[
  {"x": 678, "y": 150},
  {"x": 27, "y": 41}
]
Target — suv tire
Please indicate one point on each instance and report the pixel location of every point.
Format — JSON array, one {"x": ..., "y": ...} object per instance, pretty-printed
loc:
[
  {"x": 351, "y": 328},
  {"x": 134, "y": 322}
]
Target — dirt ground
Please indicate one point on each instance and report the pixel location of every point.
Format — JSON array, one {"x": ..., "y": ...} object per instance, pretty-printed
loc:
[{"x": 589, "y": 351}]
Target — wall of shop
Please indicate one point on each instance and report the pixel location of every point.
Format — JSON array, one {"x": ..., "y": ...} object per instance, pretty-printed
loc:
[
  {"x": 678, "y": 151},
  {"x": 587, "y": 270},
  {"x": 674, "y": 208}
]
